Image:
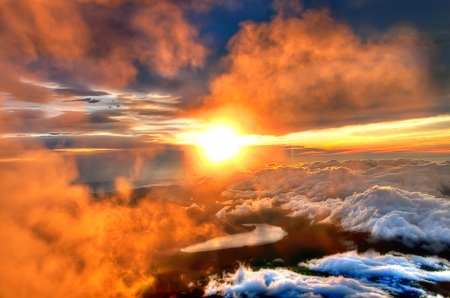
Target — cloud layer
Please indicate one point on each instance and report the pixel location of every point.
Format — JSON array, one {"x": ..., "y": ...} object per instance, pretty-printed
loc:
[
  {"x": 392, "y": 200},
  {"x": 56, "y": 240},
  {"x": 392, "y": 214}
]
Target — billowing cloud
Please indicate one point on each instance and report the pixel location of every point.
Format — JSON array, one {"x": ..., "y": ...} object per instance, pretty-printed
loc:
[
  {"x": 394, "y": 272},
  {"x": 57, "y": 240},
  {"x": 297, "y": 73},
  {"x": 392, "y": 214},
  {"x": 285, "y": 283},
  {"x": 247, "y": 207},
  {"x": 391, "y": 200},
  {"x": 368, "y": 274},
  {"x": 319, "y": 181},
  {"x": 92, "y": 43}
]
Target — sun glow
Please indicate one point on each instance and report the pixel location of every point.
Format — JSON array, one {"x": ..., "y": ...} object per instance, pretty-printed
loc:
[{"x": 220, "y": 143}]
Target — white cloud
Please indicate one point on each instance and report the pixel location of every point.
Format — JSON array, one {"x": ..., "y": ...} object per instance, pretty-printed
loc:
[
  {"x": 399, "y": 200},
  {"x": 246, "y": 208},
  {"x": 285, "y": 283},
  {"x": 355, "y": 275},
  {"x": 319, "y": 181},
  {"x": 392, "y": 272},
  {"x": 392, "y": 214}
]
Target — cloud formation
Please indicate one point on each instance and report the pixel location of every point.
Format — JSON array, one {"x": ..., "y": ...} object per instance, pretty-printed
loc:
[
  {"x": 100, "y": 42},
  {"x": 368, "y": 274},
  {"x": 285, "y": 283},
  {"x": 398, "y": 200},
  {"x": 393, "y": 272},
  {"x": 392, "y": 214},
  {"x": 56, "y": 240},
  {"x": 298, "y": 73}
]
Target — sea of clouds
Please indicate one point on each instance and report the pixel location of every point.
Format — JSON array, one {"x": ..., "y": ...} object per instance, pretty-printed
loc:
[{"x": 392, "y": 200}]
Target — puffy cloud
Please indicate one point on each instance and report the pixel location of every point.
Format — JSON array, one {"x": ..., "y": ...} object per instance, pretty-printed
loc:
[
  {"x": 57, "y": 240},
  {"x": 319, "y": 181},
  {"x": 393, "y": 272},
  {"x": 248, "y": 207},
  {"x": 398, "y": 200},
  {"x": 298, "y": 73},
  {"x": 393, "y": 214},
  {"x": 100, "y": 42},
  {"x": 368, "y": 274},
  {"x": 285, "y": 283}
]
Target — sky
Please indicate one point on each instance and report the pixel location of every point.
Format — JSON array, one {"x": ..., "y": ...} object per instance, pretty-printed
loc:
[
  {"x": 133, "y": 129},
  {"x": 139, "y": 82}
]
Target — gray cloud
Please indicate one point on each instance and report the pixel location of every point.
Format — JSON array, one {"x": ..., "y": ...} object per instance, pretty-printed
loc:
[
  {"x": 79, "y": 92},
  {"x": 88, "y": 100}
]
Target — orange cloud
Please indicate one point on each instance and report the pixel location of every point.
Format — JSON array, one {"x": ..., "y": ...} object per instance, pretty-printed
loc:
[
  {"x": 57, "y": 240},
  {"x": 298, "y": 73},
  {"x": 99, "y": 42}
]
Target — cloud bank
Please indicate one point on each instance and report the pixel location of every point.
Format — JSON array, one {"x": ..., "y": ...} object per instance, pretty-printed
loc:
[
  {"x": 392, "y": 214},
  {"x": 399, "y": 200}
]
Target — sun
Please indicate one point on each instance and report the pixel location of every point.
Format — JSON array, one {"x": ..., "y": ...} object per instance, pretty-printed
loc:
[{"x": 220, "y": 143}]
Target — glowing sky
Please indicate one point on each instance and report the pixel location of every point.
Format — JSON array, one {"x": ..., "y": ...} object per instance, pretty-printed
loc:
[
  {"x": 131, "y": 129},
  {"x": 300, "y": 80}
]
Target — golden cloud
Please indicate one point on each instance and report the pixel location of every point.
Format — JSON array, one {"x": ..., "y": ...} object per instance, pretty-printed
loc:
[{"x": 297, "y": 73}]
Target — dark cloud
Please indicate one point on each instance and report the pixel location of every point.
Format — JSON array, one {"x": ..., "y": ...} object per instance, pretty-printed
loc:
[
  {"x": 39, "y": 121},
  {"x": 88, "y": 100},
  {"x": 79, "y": 92}
]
